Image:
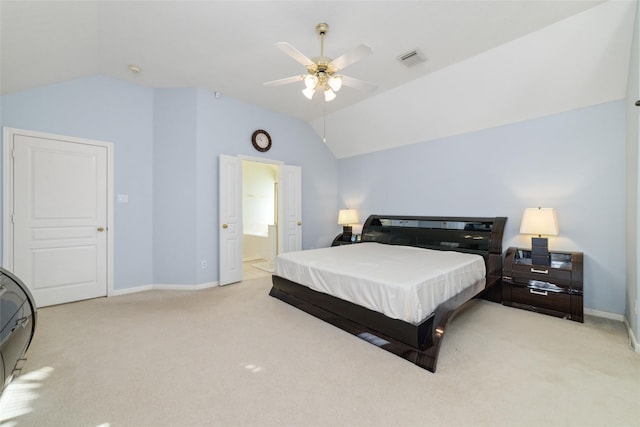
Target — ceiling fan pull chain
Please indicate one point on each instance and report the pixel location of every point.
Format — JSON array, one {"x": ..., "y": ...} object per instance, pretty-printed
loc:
[{"x": 324, "y": 122}]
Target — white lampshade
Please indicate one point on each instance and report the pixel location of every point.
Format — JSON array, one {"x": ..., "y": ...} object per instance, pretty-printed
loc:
[
  {"x": 310, "y": 81},
  {"x": 308, "y": 92},
  {"x": 329, "y": 95},
  {"x": 540, "y": 221},
  {"x": 347, "y": 216},
  {"x": 335, "y": 83}
]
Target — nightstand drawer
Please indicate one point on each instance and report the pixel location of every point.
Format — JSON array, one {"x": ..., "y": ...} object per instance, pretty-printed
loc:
[
  {"x": 545, "y": 299},
  {"x": 524, "y": 273},
  {"x": 555, "y": 289}
]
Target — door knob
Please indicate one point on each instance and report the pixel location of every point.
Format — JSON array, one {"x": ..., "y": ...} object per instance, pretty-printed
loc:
[
  {"x": 225, "y": 226},
  {"x": 100, "y": 229},
  {"x": 299, "y": 222}
]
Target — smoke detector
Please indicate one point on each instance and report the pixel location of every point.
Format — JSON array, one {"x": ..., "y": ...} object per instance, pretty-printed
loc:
[{"x": 135, "y": 69}]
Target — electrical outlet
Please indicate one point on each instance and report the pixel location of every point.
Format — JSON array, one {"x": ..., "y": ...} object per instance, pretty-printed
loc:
[{"x": 204, "y": 264}]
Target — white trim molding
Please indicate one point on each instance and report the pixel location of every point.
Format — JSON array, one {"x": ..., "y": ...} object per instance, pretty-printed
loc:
[
  {"x": 604, "y": 314},
  {"x": 633, "y": 342},
  {"x": 167, "y": 287}
]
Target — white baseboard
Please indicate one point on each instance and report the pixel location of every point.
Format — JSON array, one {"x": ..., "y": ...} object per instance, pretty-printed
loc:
[
  {"x": 125, "y": 291},
  {"x": 117, "y": 292},
  {"x": 604, "y": 314},
  {"x": 185, "y": 287},
  {"x": 633, "y": 342}
]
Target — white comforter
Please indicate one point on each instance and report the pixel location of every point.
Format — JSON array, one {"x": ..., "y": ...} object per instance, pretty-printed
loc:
[{"x": 402, "y": 282}]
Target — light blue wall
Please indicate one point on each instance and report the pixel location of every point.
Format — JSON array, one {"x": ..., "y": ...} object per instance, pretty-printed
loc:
[
  {"x": 167, "y": 143},
  {"x": 573, "y": 162},
  {"x": 174, "y": 186},
  {"x": 112, "y": 111},
  {"x": 225, "y": 126}
]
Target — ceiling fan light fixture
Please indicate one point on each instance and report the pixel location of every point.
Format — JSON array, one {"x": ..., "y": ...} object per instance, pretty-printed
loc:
[
  {"x": 308, "y": 92},
  {"x": 335, "y": 83},
  {"x": 329, "y": 95},
  {"x": 322, "y": 70},
  {"x": 310, "y": 81}
]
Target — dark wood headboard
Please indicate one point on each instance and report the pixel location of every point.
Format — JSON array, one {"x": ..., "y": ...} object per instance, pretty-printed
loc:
[{"x": 482, "y": 236}]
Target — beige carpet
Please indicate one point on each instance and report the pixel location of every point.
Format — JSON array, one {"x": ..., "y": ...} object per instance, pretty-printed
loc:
[
  {"x": 233, "y": 356},
  {"x": 266, "y": 266}
]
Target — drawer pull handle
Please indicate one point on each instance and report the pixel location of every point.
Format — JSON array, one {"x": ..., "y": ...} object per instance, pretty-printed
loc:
[
  {"x": 20, "y": 323},
  {"x": 535, "y": 270},
  {"x": 533, "y": 291}
]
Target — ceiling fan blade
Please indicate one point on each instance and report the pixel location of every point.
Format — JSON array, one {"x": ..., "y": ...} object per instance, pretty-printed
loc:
[
  {"x": 358, "y": 84},
  {"x": 352, "y": 56},
  {"x": 294, "y": 53},
  {"x": 284, "y": 81}
]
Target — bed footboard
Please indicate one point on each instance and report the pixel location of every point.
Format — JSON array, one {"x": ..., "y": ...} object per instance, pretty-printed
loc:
[{"x": 419, "y": 344}]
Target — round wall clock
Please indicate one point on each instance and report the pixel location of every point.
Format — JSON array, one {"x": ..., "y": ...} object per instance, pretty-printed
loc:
[{"x": 261, "y": 140}]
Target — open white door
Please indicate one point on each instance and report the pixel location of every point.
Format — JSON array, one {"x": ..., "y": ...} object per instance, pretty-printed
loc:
[
  {"x": 230, "y": 251},
  {"x": 290, "y": 208}
]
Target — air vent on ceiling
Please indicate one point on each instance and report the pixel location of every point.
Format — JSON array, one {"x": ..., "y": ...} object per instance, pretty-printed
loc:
[{"x": 412, "y": 58}]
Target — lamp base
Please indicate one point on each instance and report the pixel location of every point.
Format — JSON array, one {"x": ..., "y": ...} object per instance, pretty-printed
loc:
[
  {"x": 347, "y": 232},
  {"x": 540, "y": 251}
]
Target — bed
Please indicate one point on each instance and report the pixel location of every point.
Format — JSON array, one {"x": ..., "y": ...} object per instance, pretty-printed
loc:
[{"x": 372, "y": 290}]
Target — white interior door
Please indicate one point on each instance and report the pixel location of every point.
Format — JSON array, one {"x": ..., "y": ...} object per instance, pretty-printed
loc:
[
  {"x": 230, "y": 203},
  {"x": 289, "y": 213},
  {"x": 60, "y": 218},
  {"x": 290, "y": 208}
]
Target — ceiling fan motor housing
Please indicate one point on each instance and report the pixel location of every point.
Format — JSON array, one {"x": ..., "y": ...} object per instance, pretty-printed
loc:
[{"x": 322, "y": 28}]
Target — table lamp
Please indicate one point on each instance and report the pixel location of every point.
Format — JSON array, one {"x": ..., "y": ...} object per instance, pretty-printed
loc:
[
  {"x": 539, "y": 221},
  {"x": 346, "y": 217}
]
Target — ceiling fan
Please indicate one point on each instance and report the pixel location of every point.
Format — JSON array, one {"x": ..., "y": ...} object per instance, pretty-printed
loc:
[{"x": 322, "y": 72}]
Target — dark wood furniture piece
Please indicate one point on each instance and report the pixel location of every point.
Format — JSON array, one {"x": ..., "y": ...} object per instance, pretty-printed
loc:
[
  {"x": 17, "y": 324},
  {"x": 417, "y": 343},
  {"x": 555, "y": 289},
  {"x": 339, "y": 241}
]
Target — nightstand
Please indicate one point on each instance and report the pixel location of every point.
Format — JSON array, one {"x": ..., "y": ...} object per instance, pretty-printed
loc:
[
  {"x": 555, "y": 289},
  {"x": 339, "y": 242}
]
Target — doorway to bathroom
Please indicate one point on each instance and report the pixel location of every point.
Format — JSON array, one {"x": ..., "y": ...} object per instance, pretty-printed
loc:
[
  {"x": 259, "y": 218},
  {"x": 287, "y": 217}
]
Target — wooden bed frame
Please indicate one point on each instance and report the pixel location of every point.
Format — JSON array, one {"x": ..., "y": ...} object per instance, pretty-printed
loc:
[{"x": 420, "y": 344}]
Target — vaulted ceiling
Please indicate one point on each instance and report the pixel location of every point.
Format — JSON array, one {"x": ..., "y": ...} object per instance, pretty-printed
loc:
[{"x": 488, "y": 62}]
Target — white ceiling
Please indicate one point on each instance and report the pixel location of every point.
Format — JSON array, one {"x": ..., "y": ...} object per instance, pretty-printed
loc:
[{"x": 228, "y": 46}]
